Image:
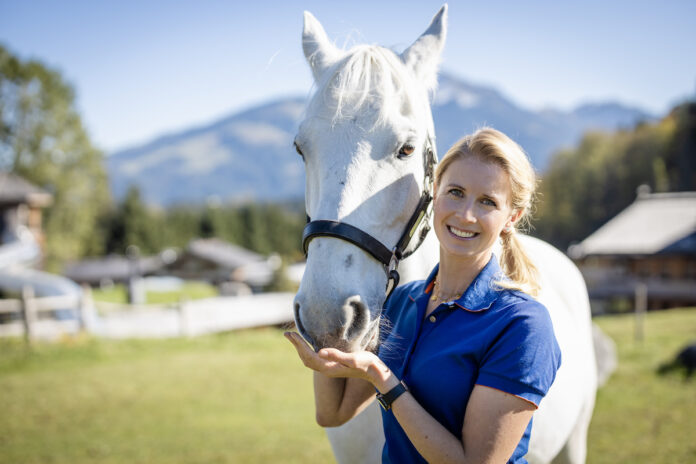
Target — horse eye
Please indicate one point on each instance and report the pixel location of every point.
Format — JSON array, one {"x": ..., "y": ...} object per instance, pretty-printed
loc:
[{"x": 406, "y": 150}]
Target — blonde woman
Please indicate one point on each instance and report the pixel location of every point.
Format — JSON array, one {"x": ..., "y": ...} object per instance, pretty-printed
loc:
[{"x": 469, "y": 353}]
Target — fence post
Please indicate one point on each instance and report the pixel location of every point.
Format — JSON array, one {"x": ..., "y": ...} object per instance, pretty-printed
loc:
[
  {"x": 28, "y": 313},
  {"x": 85, "y": 306},
  {"x": 183, "y": 317},
  {"x": 641, "y": 302}
]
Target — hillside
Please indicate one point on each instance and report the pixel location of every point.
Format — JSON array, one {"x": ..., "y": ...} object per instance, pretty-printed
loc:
[{"x": 249, "y": 155}]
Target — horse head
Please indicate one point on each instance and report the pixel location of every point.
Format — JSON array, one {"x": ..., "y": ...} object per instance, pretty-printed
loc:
[{"x": 365, "y": 134}]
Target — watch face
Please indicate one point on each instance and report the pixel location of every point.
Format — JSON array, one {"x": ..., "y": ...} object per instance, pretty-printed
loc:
[{"x": 382, "y": 403}]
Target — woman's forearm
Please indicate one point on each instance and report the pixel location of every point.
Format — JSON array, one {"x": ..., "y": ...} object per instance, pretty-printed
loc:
[
  {"x": 432, "y": 440},
  {"x": 328, "y": 395},
  {"x": 338, "y": 400},
  {"x": 339, "y": 391}
]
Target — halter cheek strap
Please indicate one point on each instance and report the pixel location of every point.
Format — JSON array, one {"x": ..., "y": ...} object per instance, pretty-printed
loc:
[
  {"x": 344, "y": 231},
  {"x": 420, "y": 219}
]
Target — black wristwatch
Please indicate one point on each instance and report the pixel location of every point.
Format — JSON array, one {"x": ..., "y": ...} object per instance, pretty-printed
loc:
[{"x": 388, "y": 398}]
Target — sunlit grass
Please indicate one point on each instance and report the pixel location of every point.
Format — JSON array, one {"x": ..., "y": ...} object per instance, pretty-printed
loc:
[
  {"x": 235, "y": 398},
  {"x": 641, "y": 417},
  {"x": 244, "y": 397}
]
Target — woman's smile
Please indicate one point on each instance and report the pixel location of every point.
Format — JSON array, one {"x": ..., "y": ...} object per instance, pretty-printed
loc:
[{"x": 461, "y": 233}]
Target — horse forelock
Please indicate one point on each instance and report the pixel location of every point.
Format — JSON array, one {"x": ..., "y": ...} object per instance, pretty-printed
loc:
[{"x": 371, "y": 82}]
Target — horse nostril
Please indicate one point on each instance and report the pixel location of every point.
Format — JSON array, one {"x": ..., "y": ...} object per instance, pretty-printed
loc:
[
  {"x": 359, "y": 320},
  {"x": 300, "y": 327}
]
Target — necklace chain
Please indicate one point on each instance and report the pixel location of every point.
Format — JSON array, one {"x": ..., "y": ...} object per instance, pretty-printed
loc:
[{"x": 437, "y": 293}]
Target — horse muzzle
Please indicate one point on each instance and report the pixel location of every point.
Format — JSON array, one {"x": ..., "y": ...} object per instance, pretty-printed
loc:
[{"x": 351, "y": 328}]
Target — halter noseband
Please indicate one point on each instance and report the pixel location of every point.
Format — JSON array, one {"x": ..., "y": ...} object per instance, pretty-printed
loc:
[{"x": 388, "y": 257}]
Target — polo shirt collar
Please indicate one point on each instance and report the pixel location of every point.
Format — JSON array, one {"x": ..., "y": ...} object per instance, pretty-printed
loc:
[{"x": 481, "y": 293}]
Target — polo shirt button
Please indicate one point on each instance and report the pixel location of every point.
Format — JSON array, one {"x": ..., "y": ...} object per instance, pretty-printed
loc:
[{"x": 432, "y": 318}]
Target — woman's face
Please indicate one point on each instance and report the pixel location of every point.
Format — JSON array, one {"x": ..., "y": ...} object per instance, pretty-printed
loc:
[{"x": 471, "y": 208}]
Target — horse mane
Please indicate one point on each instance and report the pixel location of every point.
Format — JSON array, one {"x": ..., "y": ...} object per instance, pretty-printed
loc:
[{"x": 368, "y": 77}]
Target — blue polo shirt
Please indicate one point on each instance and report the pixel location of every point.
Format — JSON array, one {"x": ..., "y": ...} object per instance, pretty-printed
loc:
[{"x": 494, "y": 337}]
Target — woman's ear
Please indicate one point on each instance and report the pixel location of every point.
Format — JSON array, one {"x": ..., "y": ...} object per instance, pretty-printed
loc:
[
  {"x": 510, "y": 224},
  {"x": 516, "y": 214}
]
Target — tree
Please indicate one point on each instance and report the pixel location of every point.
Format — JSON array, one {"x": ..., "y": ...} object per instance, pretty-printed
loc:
[
  {"x": 585, "y": 187},
  {"x": 42, "y": 139},
  {"x": 133, "y": 223}
]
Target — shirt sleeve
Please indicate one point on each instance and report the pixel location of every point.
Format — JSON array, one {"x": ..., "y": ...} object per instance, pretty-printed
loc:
[{"x": 525, "y": 356}]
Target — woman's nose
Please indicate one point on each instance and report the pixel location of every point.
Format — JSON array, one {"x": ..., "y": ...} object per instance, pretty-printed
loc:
[{"x": 466, "y": 212}]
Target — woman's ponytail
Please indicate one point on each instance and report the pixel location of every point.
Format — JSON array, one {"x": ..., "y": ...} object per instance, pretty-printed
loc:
[{"x": 515, "y": 263}]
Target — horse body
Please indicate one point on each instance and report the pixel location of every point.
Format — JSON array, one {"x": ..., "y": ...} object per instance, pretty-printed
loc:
[{"x": 369, "y": 104}]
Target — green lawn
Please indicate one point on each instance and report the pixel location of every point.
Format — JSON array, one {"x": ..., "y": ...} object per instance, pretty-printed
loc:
[
  {"x": 235, "y": 398},
  {"x": 641, "y": 417},
  {"x": 244, "y": 397}
]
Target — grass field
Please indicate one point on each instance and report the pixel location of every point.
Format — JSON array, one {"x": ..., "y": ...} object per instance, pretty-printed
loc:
[
  {"x": 235, "y": 398},
  {"x": 243, "y": 397},
  {"x": 640, "y": 416}
]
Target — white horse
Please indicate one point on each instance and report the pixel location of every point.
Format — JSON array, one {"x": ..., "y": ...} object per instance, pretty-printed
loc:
[{"x": 362, "y": 139}]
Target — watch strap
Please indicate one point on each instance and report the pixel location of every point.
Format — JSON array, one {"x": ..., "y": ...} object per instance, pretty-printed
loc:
[{"x": 386, "y": 400}]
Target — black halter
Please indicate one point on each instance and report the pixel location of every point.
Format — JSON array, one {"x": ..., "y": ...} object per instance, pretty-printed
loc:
[{"x": 388, "y": 257}]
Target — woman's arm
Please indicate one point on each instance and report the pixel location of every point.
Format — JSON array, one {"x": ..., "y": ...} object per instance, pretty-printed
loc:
[
  {"x": 338, "y": 394},
  {"x": 493, "y": 424}
]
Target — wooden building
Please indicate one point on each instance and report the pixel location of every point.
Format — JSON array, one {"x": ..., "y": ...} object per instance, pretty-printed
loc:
[
  {"x": 222, "y": 263},
  {"x": 650, "y": 246},
  {"x": 233, "y": 269},
  {"x": 21, "y": 204}
]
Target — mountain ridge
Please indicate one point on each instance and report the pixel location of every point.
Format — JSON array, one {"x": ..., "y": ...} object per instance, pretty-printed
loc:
[{"x": 248, "y": 155}]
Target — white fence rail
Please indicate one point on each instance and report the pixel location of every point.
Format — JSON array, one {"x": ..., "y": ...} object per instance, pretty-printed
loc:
[
  {"x": 195, "y": 317},
  {"x": 37, "y": 316},
  {"x": 107, "y": 320}
]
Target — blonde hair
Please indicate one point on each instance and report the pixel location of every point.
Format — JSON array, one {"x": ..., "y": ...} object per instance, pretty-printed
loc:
[{"x": 492, "y": 146}]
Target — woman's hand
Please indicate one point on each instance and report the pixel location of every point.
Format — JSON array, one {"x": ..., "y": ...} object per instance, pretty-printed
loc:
[{"x": 335, "y": 363}]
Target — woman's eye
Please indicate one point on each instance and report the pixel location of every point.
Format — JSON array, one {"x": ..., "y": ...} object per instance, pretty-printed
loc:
[
  {"x": 297, "y": 149},
  {"x": 456, "y": 192},
  {"x": 488, "y": 202},
  {"x": 406, "y": 150}
]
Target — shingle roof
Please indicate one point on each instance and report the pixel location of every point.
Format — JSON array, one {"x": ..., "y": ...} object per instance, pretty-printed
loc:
[
  {"x": 222, "y": 253},
  {"x": 649, "y": 225},
  {"x": 115, "y": 268},
  {"x": 14, "y": 189}
]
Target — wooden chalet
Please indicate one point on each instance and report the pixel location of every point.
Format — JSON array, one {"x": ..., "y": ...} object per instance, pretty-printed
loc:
[
  {"x": 21, "y": 204},
  {"x": 651, "y": 245},
  {"x": 219, "y": 262}
]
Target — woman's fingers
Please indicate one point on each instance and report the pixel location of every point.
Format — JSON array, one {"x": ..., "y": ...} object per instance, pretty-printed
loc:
[
  {"x": 330, "y": 361},
  {"x": 312, "y": 360},
  {"x": 332, "y": 354},
  {"x": 303, "y": 350}
]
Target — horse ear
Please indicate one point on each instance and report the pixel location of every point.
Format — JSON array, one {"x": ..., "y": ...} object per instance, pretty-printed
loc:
[
  {"x": 318, "y": 50},
  {"x": 423, "y": 57}
]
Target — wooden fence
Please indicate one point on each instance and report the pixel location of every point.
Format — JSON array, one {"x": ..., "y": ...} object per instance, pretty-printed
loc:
[{"x": 35, "y": 317}]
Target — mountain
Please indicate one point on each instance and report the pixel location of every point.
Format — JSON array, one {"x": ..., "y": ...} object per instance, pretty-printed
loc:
[
  {"x": 249, "y": 155},
  {"x": 244, "y": 156},
  {"x": 460, "y": 108}
]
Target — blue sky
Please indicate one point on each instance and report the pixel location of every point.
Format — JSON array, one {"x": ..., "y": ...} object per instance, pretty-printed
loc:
[{"x": 144, "y": 68}]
